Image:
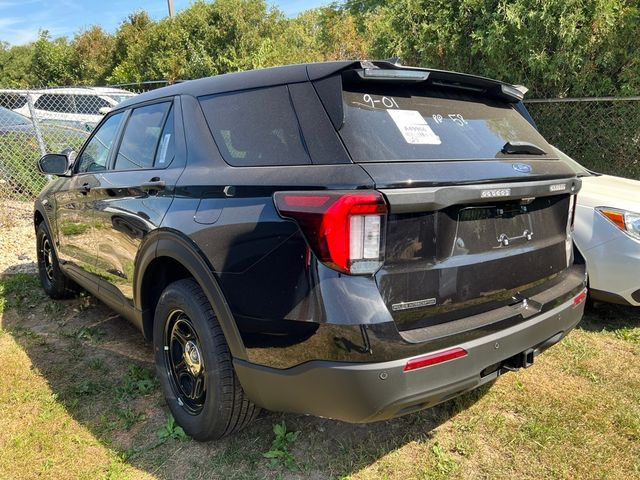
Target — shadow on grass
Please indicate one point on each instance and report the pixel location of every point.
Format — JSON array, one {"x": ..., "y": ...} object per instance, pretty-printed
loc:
[
  {"x": 609, "y": 317},
  {"x": 101, "y": 371}
]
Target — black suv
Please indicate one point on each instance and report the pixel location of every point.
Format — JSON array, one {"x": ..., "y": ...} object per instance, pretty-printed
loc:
[{"x": 354, "y": 240}]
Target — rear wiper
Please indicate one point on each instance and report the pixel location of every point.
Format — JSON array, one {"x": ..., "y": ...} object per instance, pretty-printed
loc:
[{"x": 523, "y": 148}]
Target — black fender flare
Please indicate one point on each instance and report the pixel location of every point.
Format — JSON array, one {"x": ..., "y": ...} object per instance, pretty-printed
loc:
[{"x": 177, "y": 246}]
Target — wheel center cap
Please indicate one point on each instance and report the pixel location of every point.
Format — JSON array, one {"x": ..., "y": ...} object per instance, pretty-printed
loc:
[{"x": 192, "y": 356}]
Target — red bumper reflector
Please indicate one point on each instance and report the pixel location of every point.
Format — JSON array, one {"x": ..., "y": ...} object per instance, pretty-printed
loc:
[
  {"x": 433, "y": 358},
  {"x": 581, "y": 297}
]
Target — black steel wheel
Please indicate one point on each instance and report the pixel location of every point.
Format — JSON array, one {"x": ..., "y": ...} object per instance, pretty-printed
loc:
[
  {"x": 184, "y": 362},
  {"x": 53, "y": 281},
  {"x": 195, "y": 367}
]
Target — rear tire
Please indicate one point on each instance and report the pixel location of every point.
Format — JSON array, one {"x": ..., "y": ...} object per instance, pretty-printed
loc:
[
  {"x": 54, "y": 282},
  {"x": 194, "y": 365}
]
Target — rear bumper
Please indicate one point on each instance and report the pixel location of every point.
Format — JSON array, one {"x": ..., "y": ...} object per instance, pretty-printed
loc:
[{"x": 365, "y": 392}]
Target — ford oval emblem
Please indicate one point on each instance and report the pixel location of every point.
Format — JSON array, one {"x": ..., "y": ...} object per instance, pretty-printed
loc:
[{"x": 522, "y": 167}]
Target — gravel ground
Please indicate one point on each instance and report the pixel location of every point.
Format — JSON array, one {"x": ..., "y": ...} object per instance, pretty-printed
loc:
[{"x": 17, "y": 238}]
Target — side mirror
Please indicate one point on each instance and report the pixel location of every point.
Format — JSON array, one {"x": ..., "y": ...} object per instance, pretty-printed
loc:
[
  {"x": 54, "y": 164},
  {"x": 71, "y": 155},
  {"x": 104, "y": 110}
]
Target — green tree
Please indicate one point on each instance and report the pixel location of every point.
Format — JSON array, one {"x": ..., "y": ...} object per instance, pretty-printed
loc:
[
  {"x": 92, "y": 55},
  {"x": 15, "y": 63},
  {"x": 556, "y": 47},
  {"x": 51, "y": 63}
]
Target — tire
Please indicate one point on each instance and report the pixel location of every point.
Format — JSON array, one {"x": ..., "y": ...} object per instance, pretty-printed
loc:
[
  {"x": 194, "y": 365},
  {"x": 55, "y": 283}
]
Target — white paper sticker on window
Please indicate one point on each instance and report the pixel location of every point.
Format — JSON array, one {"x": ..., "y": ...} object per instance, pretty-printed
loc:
[
  {"x": 163, "y": 147},
  {"x": 414, "y": 127}
]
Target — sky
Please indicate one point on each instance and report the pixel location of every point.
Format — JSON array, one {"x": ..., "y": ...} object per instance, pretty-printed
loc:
[{"x": 20, "y": 20}]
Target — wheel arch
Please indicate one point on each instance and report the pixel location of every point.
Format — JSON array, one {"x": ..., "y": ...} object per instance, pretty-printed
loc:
[{"x": 167, "y": 256}]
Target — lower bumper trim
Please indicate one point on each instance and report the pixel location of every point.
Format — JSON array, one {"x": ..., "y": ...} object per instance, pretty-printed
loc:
[{"x": 365, "y": 392}]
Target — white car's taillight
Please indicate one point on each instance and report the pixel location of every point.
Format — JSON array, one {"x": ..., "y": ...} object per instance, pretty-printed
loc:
[{"x": 345, "y": 230}]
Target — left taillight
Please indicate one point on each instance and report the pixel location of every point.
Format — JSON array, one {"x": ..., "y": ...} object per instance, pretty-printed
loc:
[{"x": 345, "y": 230}]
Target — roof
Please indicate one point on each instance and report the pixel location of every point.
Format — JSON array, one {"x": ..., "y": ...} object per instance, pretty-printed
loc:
[
  {"x": 70, "y": 90},
  {"x": 267, "y": 77}
]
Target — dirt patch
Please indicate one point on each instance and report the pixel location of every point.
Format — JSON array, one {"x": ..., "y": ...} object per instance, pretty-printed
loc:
[{"x": 17, "y": 238}]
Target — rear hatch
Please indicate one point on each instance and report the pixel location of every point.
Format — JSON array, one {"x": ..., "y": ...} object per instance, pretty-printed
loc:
[{"x": 479, "y": 205}]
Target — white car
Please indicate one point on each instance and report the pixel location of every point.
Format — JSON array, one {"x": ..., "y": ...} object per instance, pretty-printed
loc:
[
  {"x": 73, "y": 106},
  {"x": 607, "y": 234}
]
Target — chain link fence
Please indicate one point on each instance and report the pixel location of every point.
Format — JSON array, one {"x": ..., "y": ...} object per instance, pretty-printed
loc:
[
  {"x": 601, "y": 133},
  {"x": 35, "y": 122}
]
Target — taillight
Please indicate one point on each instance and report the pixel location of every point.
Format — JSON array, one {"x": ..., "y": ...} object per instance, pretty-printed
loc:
[
  {"x": 568, "y": 242},
  {"x": 572, "y": 211},
  {"x": 344, "y": 230}
]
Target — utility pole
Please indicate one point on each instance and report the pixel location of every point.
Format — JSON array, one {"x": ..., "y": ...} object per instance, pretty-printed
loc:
[{"x": 170, "y": 5}]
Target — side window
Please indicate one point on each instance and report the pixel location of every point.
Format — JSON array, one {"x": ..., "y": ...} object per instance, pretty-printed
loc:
[
  {"x": 256, "y": 127},
  {"x": 141, "y": 137},
  {"x": 166, "y": 150},
  {"x": 95, "y": 155},
  {"x": 55, "y": 102},
  {"x": 90, "y": 104}
]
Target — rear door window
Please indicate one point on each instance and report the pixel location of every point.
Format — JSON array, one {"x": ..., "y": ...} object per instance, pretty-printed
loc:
[
  {"x": 141, "y": 138},
  {"x": 410, "y": 122},
  {"x": 256, "y": 127},
  {"x": 90, "y": 104},
  {"x": 55, "y": 102}
]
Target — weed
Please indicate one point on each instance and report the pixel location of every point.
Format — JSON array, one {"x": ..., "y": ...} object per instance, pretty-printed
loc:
[
  {"x": 54, "y": 308},
  {"x": 279, "y": 453},
  {"x": 171, "y": 430},
  {"x": 86, "y": 388},
  {"x": 97, "y": 364},
  {"x": 87, "y": 334},
  {"x": 129, "y": 417},
  {"x": 138, "y": 382},
  {"x": 20, "y": 291},
  {"x": 444, "y": 463}
]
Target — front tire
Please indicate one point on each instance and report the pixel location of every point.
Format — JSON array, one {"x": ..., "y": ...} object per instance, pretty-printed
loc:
[
  {"x": 194, "y": 365},
  {"x": 53, "y": 281}
]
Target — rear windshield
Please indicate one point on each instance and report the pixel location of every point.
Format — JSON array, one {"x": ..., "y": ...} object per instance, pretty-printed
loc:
[{"x": 386, "y": 122}]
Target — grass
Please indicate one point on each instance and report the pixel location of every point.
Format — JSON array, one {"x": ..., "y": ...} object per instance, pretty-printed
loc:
[{"x": 79, "y": 399}]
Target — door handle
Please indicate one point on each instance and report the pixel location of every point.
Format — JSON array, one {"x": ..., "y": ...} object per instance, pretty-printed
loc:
[{"x": 152, "y": 185}]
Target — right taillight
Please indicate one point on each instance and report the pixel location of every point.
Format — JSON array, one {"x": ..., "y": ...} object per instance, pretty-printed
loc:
[
  {"x": 568, "y": 243},
  {"x": 344, "y": 230}
]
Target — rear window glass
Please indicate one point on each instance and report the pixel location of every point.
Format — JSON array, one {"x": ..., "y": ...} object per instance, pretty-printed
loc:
[
  {"x": 12, "y": 100},
  {"x": 90, "y": 104},
  {"x": 256, "y": 127},
  {"x": 55, "y": 102},
  {"x": 389, "y": 122}
]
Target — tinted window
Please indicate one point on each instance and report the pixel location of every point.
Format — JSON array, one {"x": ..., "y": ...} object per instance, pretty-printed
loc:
[
  {"x": 141, "y": 137},
  {"x": 166, "y": 149},
  {"x": 389, "y": 122},
  {"x": 13, "y": 100},
  {"x": 90, "y": 104},
  {"x": 55, "y": 103},
  {"x": 256, "y": 127},
  {"x": 95, "y": 155}
]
